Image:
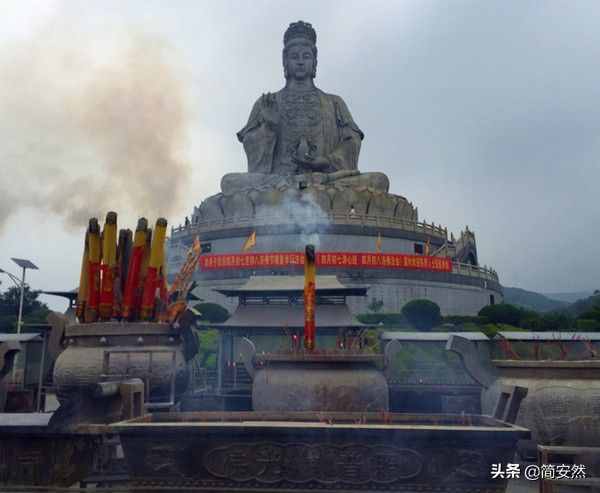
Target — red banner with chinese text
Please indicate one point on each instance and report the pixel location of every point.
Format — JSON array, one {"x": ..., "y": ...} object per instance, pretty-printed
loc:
[{"x": 326, "y": 259}]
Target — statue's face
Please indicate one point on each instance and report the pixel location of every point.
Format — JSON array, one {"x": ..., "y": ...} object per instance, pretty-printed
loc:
[{"x": 300, "y": 61}]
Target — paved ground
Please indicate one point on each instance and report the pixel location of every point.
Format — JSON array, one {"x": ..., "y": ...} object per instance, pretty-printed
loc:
[{"x": 522, "y": 486}]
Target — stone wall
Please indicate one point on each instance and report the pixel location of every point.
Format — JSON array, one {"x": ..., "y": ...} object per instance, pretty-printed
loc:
[
  {"x": 463, "y": 292},
  {"x": 453, "y": 299}
]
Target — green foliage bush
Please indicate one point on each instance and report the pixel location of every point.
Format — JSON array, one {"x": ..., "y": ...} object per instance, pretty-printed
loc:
[
  {"x": 34, "y": 311},
  {"x": 463, "y": 320},
  {"x": 385, "y": 319},
  {"x": 207, "y": 352},
  {"x": 422, "y": 314},
  {"x": 587, "y": 325},
  {"x": 375, "y": 305},
  {"x": 504, "y": 314},
  {"x": 591, "y": 314}
]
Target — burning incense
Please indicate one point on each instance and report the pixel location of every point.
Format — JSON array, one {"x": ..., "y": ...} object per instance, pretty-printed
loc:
[
  {"x": 91, "y": 309},
  {"x": 309, "y": 297},
  {"x": 133, "y": 271},
  {"x": 109, "y": 266},
  {"x": 151, "y": 281},
  {"x": 123, "y": 253},
  {"x": 82, "y": 292}
]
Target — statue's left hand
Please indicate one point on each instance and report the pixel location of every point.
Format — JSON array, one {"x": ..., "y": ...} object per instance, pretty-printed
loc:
[{"x": 312, "y": 163}]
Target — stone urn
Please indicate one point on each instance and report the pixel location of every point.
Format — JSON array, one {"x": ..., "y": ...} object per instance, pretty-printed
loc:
[
  {"x": 98, "y": 354},
  {"x": 562, "y": 406},
  {"x": 318, "y": 381}
]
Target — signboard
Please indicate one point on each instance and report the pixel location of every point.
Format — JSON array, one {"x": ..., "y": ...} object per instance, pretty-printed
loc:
[{"x": 269, "y": 260}]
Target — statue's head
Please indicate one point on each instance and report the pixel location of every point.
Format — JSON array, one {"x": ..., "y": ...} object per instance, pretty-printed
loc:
[{"x": 300, "y": 51}]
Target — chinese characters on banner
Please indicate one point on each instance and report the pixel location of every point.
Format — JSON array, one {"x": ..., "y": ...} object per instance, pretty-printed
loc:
[{"x": 326, "y": 259}]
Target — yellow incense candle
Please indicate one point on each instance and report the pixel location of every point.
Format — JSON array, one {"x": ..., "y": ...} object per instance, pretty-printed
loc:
[
  {"x": 109, "y": 264},
  {"x": 152, "y": 271},
  {"x": 94, "y": 252},
  {"x": 82, "y": 292}
]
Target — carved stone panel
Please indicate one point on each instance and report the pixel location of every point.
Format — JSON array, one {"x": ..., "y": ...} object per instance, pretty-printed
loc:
[{"x": 323, "y": 463}]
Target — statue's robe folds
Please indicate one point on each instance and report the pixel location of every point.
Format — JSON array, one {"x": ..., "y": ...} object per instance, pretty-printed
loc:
[{"x": 322, "y": 119}]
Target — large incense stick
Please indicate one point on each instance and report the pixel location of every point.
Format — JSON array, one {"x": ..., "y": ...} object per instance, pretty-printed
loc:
[
  {"x": 109, "y": 266},
  {"x": 82, "y": 292},
  {"x": 133, "y": 271},
  {"x": 152, "y": 271},
  {"x": 309, "y": 297},
  {"x": 91, "y": 309}
]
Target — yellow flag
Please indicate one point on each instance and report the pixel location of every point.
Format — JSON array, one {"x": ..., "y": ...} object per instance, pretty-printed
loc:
[
  {"x": 250, "y": 242},
  {"x": 196, "y": 247},
  {"x": 378, "y": 243}
]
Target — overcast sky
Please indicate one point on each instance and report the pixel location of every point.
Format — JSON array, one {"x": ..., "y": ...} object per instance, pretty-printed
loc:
[{"x": 482, "y": 113}]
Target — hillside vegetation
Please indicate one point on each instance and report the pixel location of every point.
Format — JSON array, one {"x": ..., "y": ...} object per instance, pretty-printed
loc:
[{"x": 531, "y": 300}]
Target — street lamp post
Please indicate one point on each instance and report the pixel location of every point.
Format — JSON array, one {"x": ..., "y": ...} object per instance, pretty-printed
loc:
[{"x": 24, "y": 264}]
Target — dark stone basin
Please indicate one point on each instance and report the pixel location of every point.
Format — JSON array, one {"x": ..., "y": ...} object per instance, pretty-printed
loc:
[
  {"x": 318, "y": 451},
  {"x": 30, "y": 455}
]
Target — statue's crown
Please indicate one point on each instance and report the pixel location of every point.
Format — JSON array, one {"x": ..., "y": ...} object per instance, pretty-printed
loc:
[{"x": 300, "y": 29}]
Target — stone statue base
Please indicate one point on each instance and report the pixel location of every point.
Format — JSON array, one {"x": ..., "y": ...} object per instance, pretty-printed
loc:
[
  {"x": 239, "y": 182},
  {"x": 246, "y": 195}
]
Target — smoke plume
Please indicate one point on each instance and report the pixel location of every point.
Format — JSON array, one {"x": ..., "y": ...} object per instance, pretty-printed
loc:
[{"x": 90, "y": 125}]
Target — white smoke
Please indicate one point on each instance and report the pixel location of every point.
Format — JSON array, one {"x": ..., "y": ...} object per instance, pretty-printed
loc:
[
  {"x": 90, "y": 125},
  {"x": 301, "y": 210}
]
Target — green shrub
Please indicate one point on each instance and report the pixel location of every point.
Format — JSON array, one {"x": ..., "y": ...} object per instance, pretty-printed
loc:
[
  {"x": 588, "y": 325},
  {"x": 505, "y": 314},
  {"x": 385, "y": 319},
  {"x": 207, "y": 347},
  {"x": 463, "y": 320},
  {"x": 422, "y": 314}
]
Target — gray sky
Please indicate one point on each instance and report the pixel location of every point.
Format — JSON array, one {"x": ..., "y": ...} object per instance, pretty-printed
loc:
[{"x": 481, "y": 113}]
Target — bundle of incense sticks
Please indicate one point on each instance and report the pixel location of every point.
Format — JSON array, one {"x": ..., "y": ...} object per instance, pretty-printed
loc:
[{"x": 124, "y": 278}]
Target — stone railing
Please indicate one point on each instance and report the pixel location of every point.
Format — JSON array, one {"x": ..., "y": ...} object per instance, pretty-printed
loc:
[
  {"x": 333, "y": 218},
  {"x": 474, "y": 271}
]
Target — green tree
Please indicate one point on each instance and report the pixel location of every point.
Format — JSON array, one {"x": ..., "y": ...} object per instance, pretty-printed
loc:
[
  {"x": 375, "y": 305},
  {"x": 505, "y": 314},
  {"x": 422, "y": 314},
  {"x": 207, "y": 351},
  {"x": 589, "y": 321},
  {"x": 34, "y": 311},
  {"x": 587, "y": 325},
  {"x": 592, "y": 314}
]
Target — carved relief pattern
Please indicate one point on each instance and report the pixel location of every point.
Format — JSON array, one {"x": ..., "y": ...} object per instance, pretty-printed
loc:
[
  {"x": 324, "y": 463},
  {"x": 44, "y": 461},
  {"x": 301, "y": 117}
]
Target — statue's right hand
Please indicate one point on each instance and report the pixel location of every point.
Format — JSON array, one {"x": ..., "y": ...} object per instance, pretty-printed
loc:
[{"x": 269, "y": 109}]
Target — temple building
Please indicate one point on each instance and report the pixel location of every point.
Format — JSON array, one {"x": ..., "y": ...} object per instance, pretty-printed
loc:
[{"x": 270, "y": 316}]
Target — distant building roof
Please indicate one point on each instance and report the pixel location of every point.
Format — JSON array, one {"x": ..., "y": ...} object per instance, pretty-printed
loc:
[
  {"x": 288, "y": 316},
  {"x": 283, "y": 285},
  {"x": 70, "y": 294},
  {"x": 20, "y": 337}
]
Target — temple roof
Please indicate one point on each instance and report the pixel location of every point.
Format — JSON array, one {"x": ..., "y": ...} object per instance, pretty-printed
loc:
[
  {"x": 288, "y": 316},
  {"x": 290, "y": 285},
  {"x": 25, "y": 337}
]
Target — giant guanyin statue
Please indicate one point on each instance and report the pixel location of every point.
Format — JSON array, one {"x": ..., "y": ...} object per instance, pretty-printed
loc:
[{"x": 300, "y": 133}]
